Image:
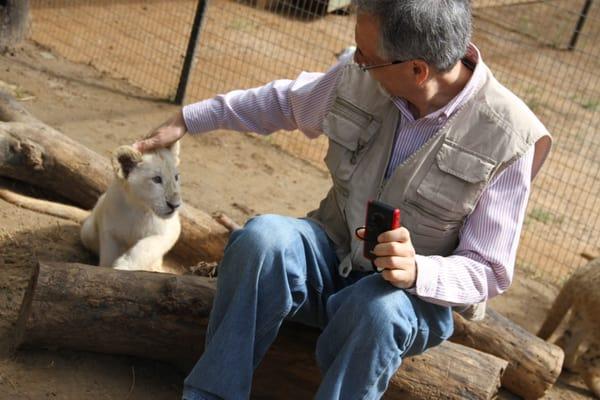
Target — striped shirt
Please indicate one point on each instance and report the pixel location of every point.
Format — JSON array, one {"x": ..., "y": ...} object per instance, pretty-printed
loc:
[{"x": 483, "y": 263}]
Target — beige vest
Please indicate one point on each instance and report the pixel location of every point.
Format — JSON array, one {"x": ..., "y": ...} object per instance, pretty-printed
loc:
[{"x": 438, "y": 186}]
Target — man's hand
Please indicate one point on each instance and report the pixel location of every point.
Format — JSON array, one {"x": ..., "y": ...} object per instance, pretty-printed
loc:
[
  {"x": 395, "y": 257},
  {"x": 163, "y": 136}
]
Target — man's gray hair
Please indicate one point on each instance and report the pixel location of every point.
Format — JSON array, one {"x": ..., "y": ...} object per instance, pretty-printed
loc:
[{"x": 436, "y": 31}]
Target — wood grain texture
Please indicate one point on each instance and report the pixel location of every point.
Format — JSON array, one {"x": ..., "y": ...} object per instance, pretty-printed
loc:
[
  {"x": 16, "y": 294},
  {"x": 533, "y": 364}
]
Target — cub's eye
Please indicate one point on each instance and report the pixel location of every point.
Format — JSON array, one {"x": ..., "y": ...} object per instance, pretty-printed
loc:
[
  {"x": 157, "y": 179},
  {"x": 176, "y": 177}
]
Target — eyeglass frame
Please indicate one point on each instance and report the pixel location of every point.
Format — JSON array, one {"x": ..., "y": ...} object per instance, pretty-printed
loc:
[{"x": 366, "y": 67}]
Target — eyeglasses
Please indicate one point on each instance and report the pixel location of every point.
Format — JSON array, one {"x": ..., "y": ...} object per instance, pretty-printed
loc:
[{"x": 366, "y": 67}]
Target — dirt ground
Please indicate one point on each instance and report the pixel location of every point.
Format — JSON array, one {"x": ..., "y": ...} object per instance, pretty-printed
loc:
[{"x": 221, "y": 172}]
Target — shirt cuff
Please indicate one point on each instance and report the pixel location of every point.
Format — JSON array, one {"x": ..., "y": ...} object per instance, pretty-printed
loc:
[
  {"x": 200, "y": 117},
  {"x": 427, "y": 274}
]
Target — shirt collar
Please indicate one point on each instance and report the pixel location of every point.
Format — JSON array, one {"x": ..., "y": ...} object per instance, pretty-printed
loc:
[{"x": 471, "y": 59}]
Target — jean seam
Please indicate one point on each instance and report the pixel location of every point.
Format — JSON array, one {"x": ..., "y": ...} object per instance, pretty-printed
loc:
[
  {"x": 364, "y": 396},
  {"x": 280, "y": 317},
  {"x": 272, "y": 322}
]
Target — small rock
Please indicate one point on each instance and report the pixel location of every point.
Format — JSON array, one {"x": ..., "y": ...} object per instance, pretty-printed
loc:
[{"x": 47, "y": 55}]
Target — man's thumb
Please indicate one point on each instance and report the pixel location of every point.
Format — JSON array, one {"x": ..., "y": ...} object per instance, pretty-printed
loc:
[{"x": 141, "y": 145}]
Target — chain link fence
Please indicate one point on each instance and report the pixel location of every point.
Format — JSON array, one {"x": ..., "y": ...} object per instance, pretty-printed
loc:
[{"x": 545, "y": 51}]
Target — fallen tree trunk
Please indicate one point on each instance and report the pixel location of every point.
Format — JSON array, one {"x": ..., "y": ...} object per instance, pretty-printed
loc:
[
  {"x": 459, "y": 373},
  {"x": 448, "y": 371},
  {"x": 33, "y": 152},
  {"x": 163, "y": 316},
  {"x": 17, "y": 284},
  {"x": 104, "y": 310},
  {"x": 533, "y": 364}
]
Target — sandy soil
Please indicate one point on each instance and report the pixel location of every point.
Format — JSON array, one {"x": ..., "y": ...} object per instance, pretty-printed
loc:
[{"x": 222, "y": 172}]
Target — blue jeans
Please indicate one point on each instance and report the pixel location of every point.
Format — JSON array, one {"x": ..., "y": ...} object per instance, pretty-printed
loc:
[{"x": 279, "y": 268}]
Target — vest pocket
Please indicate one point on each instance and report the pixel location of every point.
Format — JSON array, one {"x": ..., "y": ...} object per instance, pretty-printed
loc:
[
  {"x": 454, "y": 182},
  {"x": 432, "y": 239},
  {"x": 349, "y": 129}
]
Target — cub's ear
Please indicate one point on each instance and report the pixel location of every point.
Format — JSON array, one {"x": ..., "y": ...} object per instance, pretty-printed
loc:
[
  {"x": 175, "y": 150},
  {"x": 124, "y": 160}
]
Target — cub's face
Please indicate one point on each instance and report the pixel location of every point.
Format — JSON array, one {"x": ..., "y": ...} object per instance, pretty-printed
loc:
[{"x": 151, "y": 179}]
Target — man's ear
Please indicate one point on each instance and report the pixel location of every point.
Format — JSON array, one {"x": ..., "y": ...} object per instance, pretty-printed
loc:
[
  {"x": 175, "y": 150},
  {"x": 421, "y": 71},
  {"x": 124, "y": 160}
]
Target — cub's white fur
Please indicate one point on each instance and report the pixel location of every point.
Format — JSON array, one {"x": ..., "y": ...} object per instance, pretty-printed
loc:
[{"x": 136, "y": 221}]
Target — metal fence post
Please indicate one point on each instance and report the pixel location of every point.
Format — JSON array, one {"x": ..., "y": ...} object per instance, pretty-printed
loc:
[
  {"x": 191, "y": 51},
  {"x": 582, "y": 17}
]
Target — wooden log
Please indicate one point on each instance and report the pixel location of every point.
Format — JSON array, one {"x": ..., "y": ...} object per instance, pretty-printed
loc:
[
  {"x": 448, "y": 371},
  {"x": 458, "y": 373},
  {"x": 533, "y": 364},
  {"x": 163, "y": 316},
  {"x": 96, "y": 309},
  {"x": 33, "y": 152},
  {"x": 17, "y": 282}
]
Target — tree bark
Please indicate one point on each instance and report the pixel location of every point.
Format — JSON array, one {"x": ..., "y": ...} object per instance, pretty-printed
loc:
[
  {"x": 533, "y": 364},
  {"x": 16, "y": 294},
  {"x": 138, "y": 313},
  {"x": 458, "y": 373},
  {"x": 164, "y": 316},
  {"x": 33, "y": 152}
]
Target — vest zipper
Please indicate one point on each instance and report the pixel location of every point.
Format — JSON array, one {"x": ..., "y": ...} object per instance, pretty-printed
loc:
[
  {"x": 389, "y": 157},
  {"x": 442, "y": 131},
  {"x": 381, "y": 185}
]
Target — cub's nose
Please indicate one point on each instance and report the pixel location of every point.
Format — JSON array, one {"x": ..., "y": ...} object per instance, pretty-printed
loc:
[{"x": 173, "y": 206}]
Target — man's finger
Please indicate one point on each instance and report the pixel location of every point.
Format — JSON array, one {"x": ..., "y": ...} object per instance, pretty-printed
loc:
[
  {"x": 398, "y": 278},
  {"x": 146, "y": 145},
  {"x": 394, "y": 249},
  {"x": 392, "y": 263},
  {"x": 139, "y": 146},
  {"x": 360, "y": 233},
  {"x": 395, "y": 235}
]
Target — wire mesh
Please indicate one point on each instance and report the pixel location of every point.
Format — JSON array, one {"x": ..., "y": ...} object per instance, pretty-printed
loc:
[{"x": 545, "y": 51}]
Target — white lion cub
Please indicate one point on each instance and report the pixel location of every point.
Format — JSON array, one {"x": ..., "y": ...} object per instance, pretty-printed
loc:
[{"x": 136, "y": 221}]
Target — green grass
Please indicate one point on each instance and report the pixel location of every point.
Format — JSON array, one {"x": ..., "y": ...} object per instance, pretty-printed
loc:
[
  {"x": 545, "y": 217},
  {"x": 591, "y": 105},
  {"x": 241, "y": 24}
]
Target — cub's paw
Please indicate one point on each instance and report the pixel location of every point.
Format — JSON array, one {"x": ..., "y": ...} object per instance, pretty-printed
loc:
[{"x": 124, "y": 263}]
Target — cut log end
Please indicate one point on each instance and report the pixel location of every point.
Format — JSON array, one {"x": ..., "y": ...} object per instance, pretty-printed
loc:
[
  {"x": 534, "y": 364},
  {"x": 16, "y": 298}
]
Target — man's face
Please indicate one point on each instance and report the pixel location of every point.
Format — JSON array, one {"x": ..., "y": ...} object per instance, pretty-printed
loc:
[{"x": 396, "y": 78}]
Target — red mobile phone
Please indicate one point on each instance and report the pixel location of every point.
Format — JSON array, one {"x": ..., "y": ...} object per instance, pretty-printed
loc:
[{"x": 381, "y": 217}]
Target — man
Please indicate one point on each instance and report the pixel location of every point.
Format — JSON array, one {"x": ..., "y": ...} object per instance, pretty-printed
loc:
[{"x": 417, "y": 121}]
